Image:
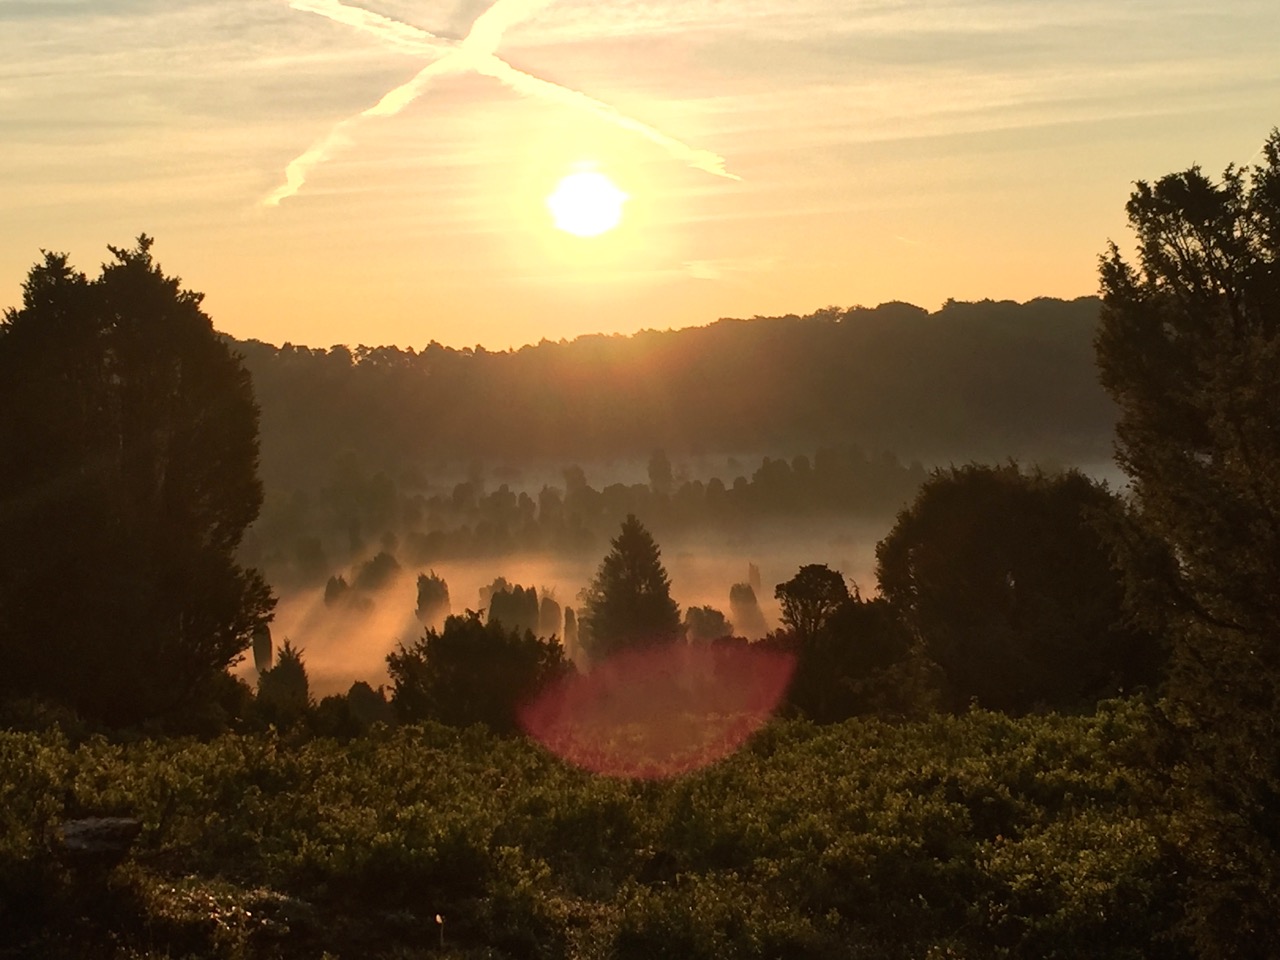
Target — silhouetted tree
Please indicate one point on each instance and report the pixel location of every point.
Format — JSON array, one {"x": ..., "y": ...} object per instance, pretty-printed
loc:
[
  {"x": 471, "y": 672},
  {"x": 351, "y": 715},
  {"x": 810, "y": 598},
  {"x": 284, "y": 692},
  {"x": 628, "y": 603},
  {"x": 433, "y": 600},
  {"x": 1189, "y": 347},
  {"x": 550, "y": 619},
  {"x": 703, "y": 624},
  {"x": 335, "y": 591},
  {"x": 499, "y": 585},
  {"x": 367, "y": 705},
  {"x": 861, "y": 661},
  {"x": 1007, "y": 581},
  {"x": 746, "y": 612},
  {"x": 516, "y": 608},
  {"x": 129, "y": 474}
]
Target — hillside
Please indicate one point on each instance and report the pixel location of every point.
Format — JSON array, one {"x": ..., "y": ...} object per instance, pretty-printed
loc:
[{"x": 971, "y": 380}]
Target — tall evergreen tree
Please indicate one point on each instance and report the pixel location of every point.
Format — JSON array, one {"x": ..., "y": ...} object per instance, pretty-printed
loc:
[
  {"x": 129, "y": 474},
  {"x": 1189, "y": 347},
  {"x": 628, "y": 603}
]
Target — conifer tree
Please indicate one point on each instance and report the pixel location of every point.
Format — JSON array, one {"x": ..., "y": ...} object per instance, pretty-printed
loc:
[{"x": 628, "y": 603}]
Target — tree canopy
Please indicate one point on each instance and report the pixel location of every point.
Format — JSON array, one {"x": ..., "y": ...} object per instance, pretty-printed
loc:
[
  {"x": 980, "y": 379},
  {"x": 628, "y": 602},
  {"x": 1008, "y": 583},
  {"x": 1189, "y": 348},
  {"x": 472, "y": 672},
  {"x": 130, "y": 434},
  {"x": 810, "y": 598}
]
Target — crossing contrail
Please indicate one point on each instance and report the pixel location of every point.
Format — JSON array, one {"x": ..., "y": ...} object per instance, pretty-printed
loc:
[{"x": 475, "y": 52}]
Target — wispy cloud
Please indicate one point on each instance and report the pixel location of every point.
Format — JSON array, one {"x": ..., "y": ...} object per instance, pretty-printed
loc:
[{"x": 474, "y": 53}]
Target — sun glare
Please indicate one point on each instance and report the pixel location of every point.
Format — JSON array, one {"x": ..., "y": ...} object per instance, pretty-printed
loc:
[{"x": 586, "y": 204}]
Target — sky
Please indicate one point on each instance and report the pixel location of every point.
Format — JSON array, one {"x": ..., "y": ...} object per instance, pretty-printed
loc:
[{"x": 377, "y": 172}]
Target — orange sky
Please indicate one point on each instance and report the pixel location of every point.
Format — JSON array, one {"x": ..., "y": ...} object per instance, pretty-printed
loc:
[{"x": 896, "y": 149}]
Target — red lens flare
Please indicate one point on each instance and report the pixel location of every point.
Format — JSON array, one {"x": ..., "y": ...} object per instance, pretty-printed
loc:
[{"x": 658, "y": 712}]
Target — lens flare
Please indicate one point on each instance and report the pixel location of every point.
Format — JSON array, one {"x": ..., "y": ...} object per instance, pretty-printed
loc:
[{"x": 661, "y": 711}]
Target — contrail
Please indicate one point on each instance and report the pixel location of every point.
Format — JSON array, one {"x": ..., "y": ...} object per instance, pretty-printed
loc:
[{"x": 474, "y": 52}]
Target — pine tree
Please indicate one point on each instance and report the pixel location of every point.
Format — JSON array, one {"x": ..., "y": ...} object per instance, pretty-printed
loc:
[{"x": 628, "y": 603}]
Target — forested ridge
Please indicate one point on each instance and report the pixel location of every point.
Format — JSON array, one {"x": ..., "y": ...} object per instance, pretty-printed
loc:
[{"x": 971, "y": 380}]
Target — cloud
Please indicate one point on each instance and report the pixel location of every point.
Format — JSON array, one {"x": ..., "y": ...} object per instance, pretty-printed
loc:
[{"x": 475, "y": 52}]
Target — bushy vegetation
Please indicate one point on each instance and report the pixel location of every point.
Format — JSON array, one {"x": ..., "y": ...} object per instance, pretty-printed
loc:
[{"x": 976, "y": 835}]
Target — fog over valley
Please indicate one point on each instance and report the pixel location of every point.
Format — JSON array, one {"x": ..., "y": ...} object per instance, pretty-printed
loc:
[{"x": 344, "y": 642}]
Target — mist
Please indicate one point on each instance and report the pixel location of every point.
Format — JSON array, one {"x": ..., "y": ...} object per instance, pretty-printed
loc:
[{"x": 344, "y": 643}]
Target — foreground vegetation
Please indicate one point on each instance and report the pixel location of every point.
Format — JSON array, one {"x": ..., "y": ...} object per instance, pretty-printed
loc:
[{"x": 977, "y": 835}]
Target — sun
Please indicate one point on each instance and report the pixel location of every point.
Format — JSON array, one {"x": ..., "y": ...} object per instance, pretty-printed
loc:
[{"x": 586, "y": 204}]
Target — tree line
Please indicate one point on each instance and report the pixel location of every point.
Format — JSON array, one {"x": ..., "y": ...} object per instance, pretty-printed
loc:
[
  {"x": 306, "y": 535},
  {"x": 987, "y": 379}
]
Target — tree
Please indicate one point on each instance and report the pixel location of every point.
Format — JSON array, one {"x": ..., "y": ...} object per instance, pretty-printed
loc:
[
  {"x": 433, "y": 600},
  {"x": 130, "y": 434},
  {"x": 1189, "y": 348},
  {"x": 1007, "y": 581},
  {"x": 550, "y": 617},
  {"x": 862, "y": 661},
  {"x": 284, "y": 693},
  {"x": 810, "y": 598},
  {"x": 704, "y": 624},
  {"x": 516, "y": 608},
  {"x": 746, "y": 612},
  {"x": 352, "y": 715},
  {"x": 336, "y": 590},
  {"x": 628, "y": 603},
  {"x": 472, "y": 672}
]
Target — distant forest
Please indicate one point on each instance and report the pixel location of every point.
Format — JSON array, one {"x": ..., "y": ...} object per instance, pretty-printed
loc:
[
  {"x": 984, "y": 380},
  {"x": 444, "y": 453}
]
